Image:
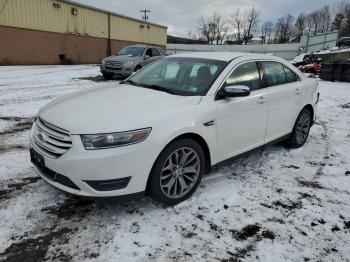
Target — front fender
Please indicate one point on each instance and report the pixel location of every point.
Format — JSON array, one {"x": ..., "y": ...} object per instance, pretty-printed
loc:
[{"x": 208, "y": 134}]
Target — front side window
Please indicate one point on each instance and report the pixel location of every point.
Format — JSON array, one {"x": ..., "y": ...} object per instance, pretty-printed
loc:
[
  {"x": 247, "y": 75},
  {"x": 131, "y": 51},
  {"x": 149, "y": 52},
  {"x": 273, "y": 74},
  {"x": 180, "y": 75},
  {"x": 291, "y": 76},
  {"x": 155, "y": 52}
]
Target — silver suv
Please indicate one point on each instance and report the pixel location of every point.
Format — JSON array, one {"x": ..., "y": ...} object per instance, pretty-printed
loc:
[{"x": 129, "y": 59}]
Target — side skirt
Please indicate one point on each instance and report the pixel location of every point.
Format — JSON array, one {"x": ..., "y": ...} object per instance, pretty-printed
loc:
[{"x": 260, "y": 148}]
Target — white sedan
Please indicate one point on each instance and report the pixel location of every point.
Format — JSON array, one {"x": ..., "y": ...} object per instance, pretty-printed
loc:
[{"x": 160, "y": 130}]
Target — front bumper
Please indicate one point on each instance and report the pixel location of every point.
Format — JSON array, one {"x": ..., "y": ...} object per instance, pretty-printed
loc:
[
  {"x": 87, "y": 168},
  {"x": 119, "y": 71}
]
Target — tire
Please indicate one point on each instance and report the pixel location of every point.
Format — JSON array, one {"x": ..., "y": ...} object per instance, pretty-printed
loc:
[
  {"x": 166, "y": 170},
  {"x": 108, "y": 76},
  {"x": 301, "y": 130}
]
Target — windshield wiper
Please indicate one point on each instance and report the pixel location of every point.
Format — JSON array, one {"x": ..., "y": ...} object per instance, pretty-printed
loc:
[
  {"x": 158, "y": 88},
  {"x": 154, "y": 87}
]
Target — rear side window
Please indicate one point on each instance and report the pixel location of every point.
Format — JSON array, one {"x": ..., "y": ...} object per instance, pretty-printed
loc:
[
  {"x": 274, "y": 74},
  {"x": 247, "y": 75},
  {"x": 291, "y": 76}
]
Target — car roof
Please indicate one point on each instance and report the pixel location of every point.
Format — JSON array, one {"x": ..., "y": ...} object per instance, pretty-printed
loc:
[
  {"x": 142, "y": 45},
  {"x": 225, "y": 56}
]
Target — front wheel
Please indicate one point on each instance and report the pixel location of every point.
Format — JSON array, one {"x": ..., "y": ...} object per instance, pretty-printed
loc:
[
  {"x": 177, "y": 172},
  {"x": 137, "y": 68},
  {"x": 107, "y": 76},
  {"x": 301, "y": 130}
]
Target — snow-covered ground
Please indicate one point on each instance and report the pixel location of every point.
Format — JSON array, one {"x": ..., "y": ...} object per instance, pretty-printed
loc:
[
  {"x": 334, "y": 50},
  {"x": 277, "y": 205}
]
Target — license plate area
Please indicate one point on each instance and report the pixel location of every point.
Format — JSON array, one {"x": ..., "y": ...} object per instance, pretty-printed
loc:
[{"x": 37, "y": 159}]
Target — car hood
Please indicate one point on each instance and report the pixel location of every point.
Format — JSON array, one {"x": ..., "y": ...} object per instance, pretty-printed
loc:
[{"x": 113, "y": 108}]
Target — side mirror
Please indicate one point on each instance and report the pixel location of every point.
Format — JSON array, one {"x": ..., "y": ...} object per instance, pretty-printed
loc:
[
  {"x": 235, "y": 91},
  {"x": 147, "y": 57}
]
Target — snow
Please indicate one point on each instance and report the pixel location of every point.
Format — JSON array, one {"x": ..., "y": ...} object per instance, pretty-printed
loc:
[
  {"x": 333, "y": 50},
  {"x": 275, "y": 205}
]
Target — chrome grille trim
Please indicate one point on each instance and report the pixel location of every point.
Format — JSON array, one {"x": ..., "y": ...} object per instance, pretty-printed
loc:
[
  {"x": 52, "y": 140},
  {"x": 113, "y": 63}
]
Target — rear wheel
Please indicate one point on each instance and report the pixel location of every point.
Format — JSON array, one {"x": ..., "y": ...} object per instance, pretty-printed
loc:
[
  {"x": 177, "y": 172},
  {"x": 301, "y": 129}
]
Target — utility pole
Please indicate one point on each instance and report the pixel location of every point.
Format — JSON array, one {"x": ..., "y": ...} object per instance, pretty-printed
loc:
[{"x": 145, "y": 16}]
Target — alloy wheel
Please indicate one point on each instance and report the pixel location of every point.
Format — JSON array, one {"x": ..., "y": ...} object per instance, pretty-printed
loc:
[
  {"x": 180, "y": 172},
  {"x": 302, "y": 129}
]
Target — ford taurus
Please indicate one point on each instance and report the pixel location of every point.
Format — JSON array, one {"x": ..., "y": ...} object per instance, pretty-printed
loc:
[{"x": 161, "y": 129}]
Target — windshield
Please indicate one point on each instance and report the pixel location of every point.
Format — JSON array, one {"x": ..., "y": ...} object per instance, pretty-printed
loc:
[
  {"x": 131, "y": 50},
  {"x": 179, "y": 75}
]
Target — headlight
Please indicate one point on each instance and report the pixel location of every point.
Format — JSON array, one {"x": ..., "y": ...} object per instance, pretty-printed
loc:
[
  {"x": 129, "y": 63},
  {"x": 100, "y": 141}
]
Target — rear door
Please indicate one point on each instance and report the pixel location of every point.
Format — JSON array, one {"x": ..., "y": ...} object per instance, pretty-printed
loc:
[{"x": 283, "y": 91}]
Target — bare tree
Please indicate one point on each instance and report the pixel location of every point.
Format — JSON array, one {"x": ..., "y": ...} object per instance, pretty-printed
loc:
[
  {"x": 300, "y": 25},
  {"x": 219, "y": 27},
  {"x": 326, "y": 16},
  {"x": 319, "y": 21},
  {"x": 213, "y": 29},
  {"x": 284, "y": 28},
  {"x": 267, "y": 31},
  {"x": 237, "y": 21},
  {"x": 203, "y": 28},
  {"x": 251, "y": 20}
]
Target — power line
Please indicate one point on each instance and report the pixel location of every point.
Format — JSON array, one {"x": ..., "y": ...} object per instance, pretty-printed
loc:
[
  {"x": 194, "y": 7},
  {"x": 145, "y": 16}
]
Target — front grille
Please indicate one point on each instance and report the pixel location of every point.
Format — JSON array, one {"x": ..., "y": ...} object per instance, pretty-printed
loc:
[
  {"x": 114, "y": 63},
  {"x": 52, "y": 140}
]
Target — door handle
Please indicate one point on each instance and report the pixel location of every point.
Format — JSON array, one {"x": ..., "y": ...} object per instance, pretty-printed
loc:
[
  {"x": 261, "y": 100},
  {"x": 297, "y": 91}
]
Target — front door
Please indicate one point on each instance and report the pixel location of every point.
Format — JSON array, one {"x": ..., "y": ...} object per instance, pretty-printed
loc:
[{"x": 242, "y": 121}]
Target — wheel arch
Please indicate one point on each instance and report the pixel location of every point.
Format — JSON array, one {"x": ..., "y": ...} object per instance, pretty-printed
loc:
[
  {"x": 138, "y": 66},
  {"x": 311, "y": 108},
  {"x": 196, "y": 137}
]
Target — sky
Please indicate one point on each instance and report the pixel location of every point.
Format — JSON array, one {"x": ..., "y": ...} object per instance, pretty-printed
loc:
[{"x": 181, "y": 16}]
